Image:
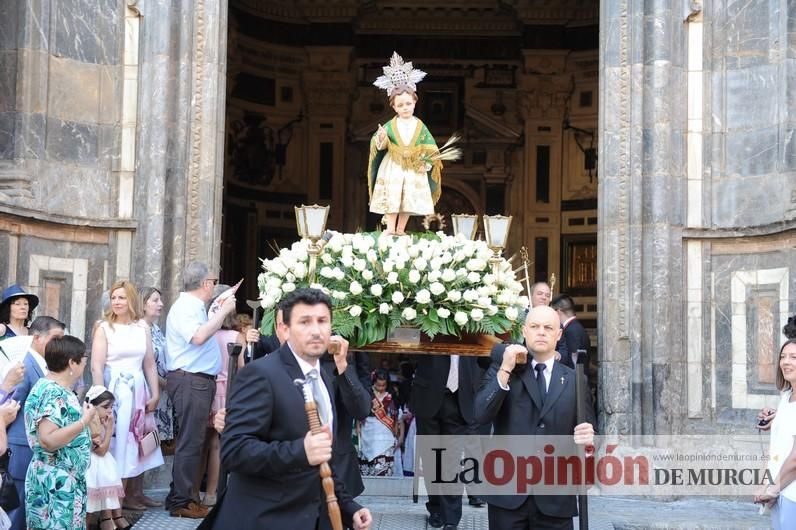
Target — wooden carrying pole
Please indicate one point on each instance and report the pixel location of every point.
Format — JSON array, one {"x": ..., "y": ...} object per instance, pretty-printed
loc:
[
  {"x": 581, "y": 386},
  {"x": 326, "y": 472}
]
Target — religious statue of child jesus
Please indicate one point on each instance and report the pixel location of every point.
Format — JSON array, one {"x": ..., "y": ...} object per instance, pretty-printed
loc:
[{"x": 405, "y": 165}]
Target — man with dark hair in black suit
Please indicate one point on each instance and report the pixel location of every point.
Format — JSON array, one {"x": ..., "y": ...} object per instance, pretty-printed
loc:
[
  {"x": 266, "y": 444},
  {"x": 537, "y": 398},
  {"x": 574, "y": 335},
  {"x": 352, "y": 400}
]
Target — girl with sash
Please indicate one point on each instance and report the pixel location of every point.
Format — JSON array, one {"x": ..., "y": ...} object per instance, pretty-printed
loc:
[{"x": 380, "y": 433}]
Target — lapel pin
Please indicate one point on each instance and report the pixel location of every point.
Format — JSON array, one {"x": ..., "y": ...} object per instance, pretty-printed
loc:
[{"x": 562, "y": 380}]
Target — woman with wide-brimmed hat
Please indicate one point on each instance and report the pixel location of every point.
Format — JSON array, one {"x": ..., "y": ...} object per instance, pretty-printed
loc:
[{"x": 16, "y": 308}]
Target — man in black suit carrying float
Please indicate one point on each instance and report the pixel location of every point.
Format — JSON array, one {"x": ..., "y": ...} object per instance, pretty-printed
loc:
[
  {"x": 538, "y": 398},
  {"x": 266, "y": 445}
]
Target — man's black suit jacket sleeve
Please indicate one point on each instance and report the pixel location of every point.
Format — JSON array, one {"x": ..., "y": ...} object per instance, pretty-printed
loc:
[
  {"x": 244, "y": 448},
  {"x": 490, "y": 396},
  {"x": 355, "y": 396},
  {"x": 264, "y": 346}
]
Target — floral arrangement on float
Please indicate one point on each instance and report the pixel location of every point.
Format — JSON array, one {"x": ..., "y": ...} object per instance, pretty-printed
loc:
[{"x": 441, "y": 284}]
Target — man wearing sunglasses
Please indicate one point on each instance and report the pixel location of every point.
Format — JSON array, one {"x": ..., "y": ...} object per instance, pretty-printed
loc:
[{"x": 193, "y": 361}]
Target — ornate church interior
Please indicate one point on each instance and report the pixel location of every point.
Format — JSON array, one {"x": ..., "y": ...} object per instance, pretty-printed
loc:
[{"x": 516, "y": 79}]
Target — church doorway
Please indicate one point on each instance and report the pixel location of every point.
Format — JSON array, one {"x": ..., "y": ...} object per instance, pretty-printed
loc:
[{"x": 519, "y": 85}]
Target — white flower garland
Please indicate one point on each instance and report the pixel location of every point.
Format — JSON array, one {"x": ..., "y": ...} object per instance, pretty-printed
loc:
[{"x": 439, "y": 283}]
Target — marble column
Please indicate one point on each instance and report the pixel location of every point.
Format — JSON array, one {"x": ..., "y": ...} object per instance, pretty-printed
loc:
[
  {"x": 641, "y": 170},
  {"x": 181, "y": 137}
]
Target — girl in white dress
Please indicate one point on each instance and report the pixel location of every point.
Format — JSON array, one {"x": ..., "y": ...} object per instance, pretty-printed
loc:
[
  {"x": 102, "y": 478},
  {"x": 122, "y": 358}
]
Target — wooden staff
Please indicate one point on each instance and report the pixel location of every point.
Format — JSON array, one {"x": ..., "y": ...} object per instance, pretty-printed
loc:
[
  {"x": 326, "y": 472},
  {"x": 581, "y": 386}
]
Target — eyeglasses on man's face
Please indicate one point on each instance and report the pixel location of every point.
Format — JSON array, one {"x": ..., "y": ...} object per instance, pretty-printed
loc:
[{"x": 214, "y": 280}]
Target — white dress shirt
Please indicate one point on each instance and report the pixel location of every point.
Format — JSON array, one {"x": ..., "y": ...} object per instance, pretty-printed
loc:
[
  {"x": 548, "y": 373},
  {"x": 327, "y": 402}
]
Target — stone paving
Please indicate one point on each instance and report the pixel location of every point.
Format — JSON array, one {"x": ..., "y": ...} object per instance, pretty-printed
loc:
[{"x": 626, "y": 513}]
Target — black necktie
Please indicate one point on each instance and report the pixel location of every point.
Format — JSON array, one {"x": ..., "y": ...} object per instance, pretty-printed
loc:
[{"x": 540, "y": 383}]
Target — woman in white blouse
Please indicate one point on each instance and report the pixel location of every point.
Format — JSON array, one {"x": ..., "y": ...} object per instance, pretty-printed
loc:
[{"x": 781, "y": 496}]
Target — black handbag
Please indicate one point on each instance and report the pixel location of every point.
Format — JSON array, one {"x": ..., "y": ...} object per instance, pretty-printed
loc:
[{"x": 9, "y": 497}]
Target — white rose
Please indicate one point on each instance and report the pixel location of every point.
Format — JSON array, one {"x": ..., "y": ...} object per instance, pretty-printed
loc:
[
  {"x": 355, "y": 288},
  {"x": 372, "y": 256},
  {"x": 339, "y": 295},
  {"x": 336, "y": 242},
  {"x": 454, "y": 296},
  {"x": 338, "y": 273},
  {"x": 327, "y": 259},
  {"x": 523, "y": 301},
  {"x": 327, "y": 272},
  {"x": 392, "y": 278},
  {"x": 414, "y": 276},
  {"x": 413, "y": 251},
  {"x": 267, "y": 302},
  {"x": 408, "y": 313},
  {"x": 423, "y": 296},
  {"x": 288, "y": 287},
  {"x": 470, "y": 295},
  {"x": 367, "y": 274},
  {"x": 290, "y": 277},
  {"x": 492, "y": 310},
  {"x": 473, "y": 277},
  {"x": 476, "y": 264},
  {"x": 387, "y": 266},
  {"x": 443, "y": 313},
  {"x": 347, "y": 261},
  {"x": 447, "y": 257},
  {"x": 461, "y": 272},
  {"x": 274, "y": 282},
  {"x": 437, "y": 288},
  {"x": 476, "y": 314},
  {"x": 489, "y": 278},
  {"x": 355, "y": 311},
  {"x": 277, "y": 267},
  {"x": 300, "y": 270},
  {"x": 383, "y": 244},
  {"x": 397, "y": 297},
  {"x": 434, "y": 276},
  {"x": 376, "y": 289},
  {"x": 460, "y": 318},
  {"x": 436, "y": 263},
  {"x": 484, "y": 301},
  {"x": 448, "y": 275},
  {"x": 420, "y": 264},
  {"x": 287, "y": 257},
  {"x": 360, "y": 264},
  {"x": 400, "y": 264},
  {"x": 384, "y": 308},
  {"x": 512, "y": 313}
]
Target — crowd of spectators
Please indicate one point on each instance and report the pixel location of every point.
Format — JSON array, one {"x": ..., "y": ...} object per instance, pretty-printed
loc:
[{"x": 72, "y": 457}]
